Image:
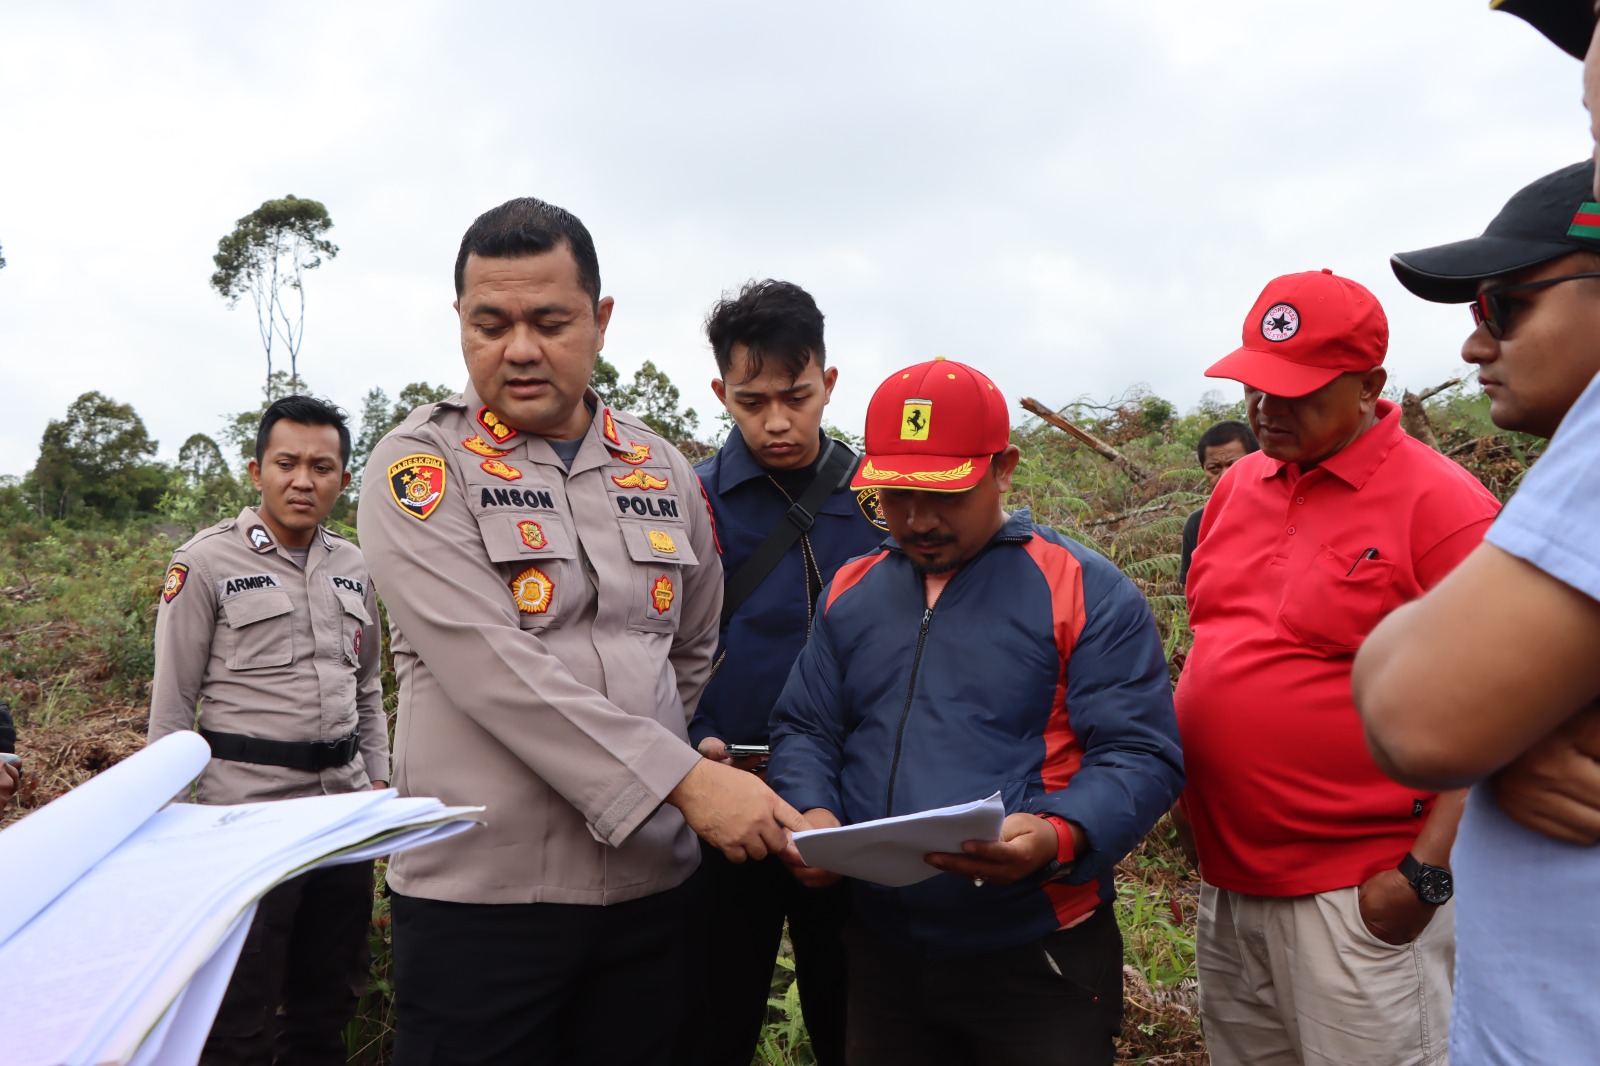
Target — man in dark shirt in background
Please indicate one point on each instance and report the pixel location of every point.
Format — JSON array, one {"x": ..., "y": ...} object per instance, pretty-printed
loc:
[
  {"x": 1220, "y": 447},
  {"x": 774, "y": 381}
]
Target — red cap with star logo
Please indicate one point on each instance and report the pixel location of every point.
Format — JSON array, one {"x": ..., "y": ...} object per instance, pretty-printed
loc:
[
  {"x": 1304, "y": 331},
  {"x": 933, "y": 426}
]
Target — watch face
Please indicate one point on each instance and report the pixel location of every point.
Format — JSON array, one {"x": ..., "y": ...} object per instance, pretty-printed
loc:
[{"x": 1434, "y": 885}]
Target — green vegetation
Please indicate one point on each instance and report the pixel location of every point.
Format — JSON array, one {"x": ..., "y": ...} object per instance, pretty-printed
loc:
[{"x": 79, "y": 582}]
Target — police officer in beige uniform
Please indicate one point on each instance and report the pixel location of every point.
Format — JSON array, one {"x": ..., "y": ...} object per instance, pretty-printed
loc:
[
  {"x": 552, "y": 577},
  {"x": 267, "y": 643}
]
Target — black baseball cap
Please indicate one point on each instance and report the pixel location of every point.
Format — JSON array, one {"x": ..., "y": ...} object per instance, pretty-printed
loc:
[
  {"x": 1568, "y": 23},
  {"x": 1551, "y": 218}
]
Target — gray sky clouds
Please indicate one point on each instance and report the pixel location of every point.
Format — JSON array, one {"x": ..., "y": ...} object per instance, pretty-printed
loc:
[{"x": 1075, "y": 198}]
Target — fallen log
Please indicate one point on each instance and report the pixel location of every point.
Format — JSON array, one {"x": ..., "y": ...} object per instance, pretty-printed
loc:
[{"x": 1137, "y": 472}]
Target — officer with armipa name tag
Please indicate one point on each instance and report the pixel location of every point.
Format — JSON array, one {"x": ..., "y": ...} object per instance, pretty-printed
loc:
[{"x": 267, "y": 643}]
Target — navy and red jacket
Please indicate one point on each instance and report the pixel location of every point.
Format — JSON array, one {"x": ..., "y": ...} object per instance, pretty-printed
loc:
[{"x": 1039, "y": 673}]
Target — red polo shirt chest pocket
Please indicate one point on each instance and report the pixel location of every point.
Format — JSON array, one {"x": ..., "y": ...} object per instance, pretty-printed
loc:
[{"x": 1331, "y": 605}]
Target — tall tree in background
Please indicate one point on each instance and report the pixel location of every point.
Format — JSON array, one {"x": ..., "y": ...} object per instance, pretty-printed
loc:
[
  {"x": 654, "y": 398},
  {"x": 266, "y": 256},
  {"x": 378, "y": 417},
  {"x": 97, "y": 459}
]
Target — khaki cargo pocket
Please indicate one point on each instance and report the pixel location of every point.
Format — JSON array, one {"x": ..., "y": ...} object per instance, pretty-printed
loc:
[
  {"x": 661, "y": 554},
  {"x": 1333, "y": 603},
  {"x": 353, "y": 623},
  {"x": 261, "y": 631},
  {"x": 536, "y": 553}
]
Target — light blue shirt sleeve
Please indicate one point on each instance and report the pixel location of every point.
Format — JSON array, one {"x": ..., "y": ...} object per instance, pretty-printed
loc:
[{"x": 1553, "y": 521}]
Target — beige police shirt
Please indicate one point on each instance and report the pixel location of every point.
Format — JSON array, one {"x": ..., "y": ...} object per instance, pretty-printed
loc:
[
  {"x": 552, "y": 630},
  {"x": 248, "y": 641}
]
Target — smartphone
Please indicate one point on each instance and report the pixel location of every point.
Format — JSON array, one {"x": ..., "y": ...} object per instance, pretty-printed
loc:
[{"x": 745, "y": 751}]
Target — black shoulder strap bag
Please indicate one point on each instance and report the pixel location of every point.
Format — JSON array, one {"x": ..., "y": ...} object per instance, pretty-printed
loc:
[{"x": 837, "y": 466}]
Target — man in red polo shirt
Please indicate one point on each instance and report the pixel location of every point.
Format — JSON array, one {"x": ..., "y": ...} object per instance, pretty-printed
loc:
[{"x": 1324, "y": 937}]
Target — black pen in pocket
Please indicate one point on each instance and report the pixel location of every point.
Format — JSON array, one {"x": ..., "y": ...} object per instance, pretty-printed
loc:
[{"x": 1370, "y": 553}]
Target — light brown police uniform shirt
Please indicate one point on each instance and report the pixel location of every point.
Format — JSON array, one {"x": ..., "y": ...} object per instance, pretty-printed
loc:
[
  {"x": 552, "y": 630},
  {"x": 249, "y": 642}
]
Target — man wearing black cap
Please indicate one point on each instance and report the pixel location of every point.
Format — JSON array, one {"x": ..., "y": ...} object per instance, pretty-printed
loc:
[{"x": 1498, "y": 662}]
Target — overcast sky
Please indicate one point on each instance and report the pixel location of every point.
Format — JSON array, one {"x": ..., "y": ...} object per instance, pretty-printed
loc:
[{"x": 1075, "y": 198}]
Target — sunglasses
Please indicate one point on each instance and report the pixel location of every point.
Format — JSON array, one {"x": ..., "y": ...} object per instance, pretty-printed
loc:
[{"x": 1492, "y": 310}]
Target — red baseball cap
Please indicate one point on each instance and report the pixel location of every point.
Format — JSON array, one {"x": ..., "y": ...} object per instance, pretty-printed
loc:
[
  {"x": 1304, "y": 331},
  {"x": 933, "y": 426}
]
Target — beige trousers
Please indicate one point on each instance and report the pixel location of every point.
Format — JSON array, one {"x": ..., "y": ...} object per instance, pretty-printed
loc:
[{"x": 1300, "y": 981}]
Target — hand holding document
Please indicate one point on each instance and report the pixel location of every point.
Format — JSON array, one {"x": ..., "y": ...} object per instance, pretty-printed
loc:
[
  {"x": 120, "y": 922},
  {"x": 889, "y": 851}
]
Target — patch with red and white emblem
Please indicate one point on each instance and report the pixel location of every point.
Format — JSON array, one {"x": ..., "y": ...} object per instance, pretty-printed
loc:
[
  {"x": 1280, "y": 322},
  {"x": 357, "y": 643},
  {"x": 633, "y": 456},
  {"x": 175, "y": 579},
  {"x": 533, "y": 590},
  {"x": 417, "y": 484},
  {"x": 608, "y": 430},
  {"x": 639, "y": 479},
  {"x": 533, "y": 534},
  {"x": 478, "y": 446},
  {"x": 498, "y": 431},
  {"x": 501, "y": 469},
  {"x": 661, "y": 594}
]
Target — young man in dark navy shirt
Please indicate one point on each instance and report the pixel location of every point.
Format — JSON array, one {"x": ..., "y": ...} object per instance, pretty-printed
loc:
[{"x": 774, "y": 381}]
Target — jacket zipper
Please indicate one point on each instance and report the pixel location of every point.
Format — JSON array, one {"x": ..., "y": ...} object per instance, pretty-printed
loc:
[{"x": 905, "y": 713}]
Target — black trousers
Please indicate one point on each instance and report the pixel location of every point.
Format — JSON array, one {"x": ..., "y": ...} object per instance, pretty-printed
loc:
[
  {"x": 300, "y": 975},
  {"x": 742, "y": 910},
  {"x": 535, "y": 983},
  {"x": 1055, "y": 1000}
]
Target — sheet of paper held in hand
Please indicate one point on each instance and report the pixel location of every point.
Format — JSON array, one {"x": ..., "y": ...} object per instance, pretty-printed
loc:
[{"x": 889, "y": 851}]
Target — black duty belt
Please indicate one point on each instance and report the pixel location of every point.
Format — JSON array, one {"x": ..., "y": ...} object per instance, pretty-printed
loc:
[{"x": 310, "y": 755}]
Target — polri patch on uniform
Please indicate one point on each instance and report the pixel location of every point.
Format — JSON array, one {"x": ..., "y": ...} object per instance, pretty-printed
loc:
[
  {"x": 478, "y": 446},
  {"x": 867, "y": 500},
  {"x": 633, "y": 455},
  {"x": 661, "y": 594},
  {"x": 260, "y": 539},
  {"x": 661, "y": 542},
  {"x": 498, "y": 431},
  {"x": 417, "y": 484},
  {"x": 533, "y": 534},
  {"x": 533, "y": 590},
  {"x": 639, "y": 479},
  {"x": 500, "y": 469},
  {"x": 349, "y": 584},
  {"x": 174, "y": 585},
  {"x": 1280, "y": 322}
]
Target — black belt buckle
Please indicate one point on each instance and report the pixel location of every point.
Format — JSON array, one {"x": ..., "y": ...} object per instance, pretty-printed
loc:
[{"x": 337, "y": 752}]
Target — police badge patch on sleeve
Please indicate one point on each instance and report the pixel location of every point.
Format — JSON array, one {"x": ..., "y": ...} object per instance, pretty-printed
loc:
[
  {"x": 417, "y": 484},
  {"x": 175, "y": 579},
  {"x": 867, "y": 500}
]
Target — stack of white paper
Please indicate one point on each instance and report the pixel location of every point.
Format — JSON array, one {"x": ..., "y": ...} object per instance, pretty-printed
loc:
[
  {"x": 120, "y": 922},
  {"x": 889, "y": 851}
]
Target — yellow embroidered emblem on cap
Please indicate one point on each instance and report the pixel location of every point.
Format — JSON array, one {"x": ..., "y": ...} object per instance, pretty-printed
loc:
[
  {"x": 915, "y": 419},
  {"x": 532, "y": 589},
  {"x": 874, "y": 473},
  {"x": 661, "y": 541}
]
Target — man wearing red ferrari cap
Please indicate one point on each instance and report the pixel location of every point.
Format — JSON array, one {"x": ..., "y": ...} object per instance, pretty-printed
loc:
[
  {"x": 976, "y": 652},
  {"x": 1324, "y": 933}
]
